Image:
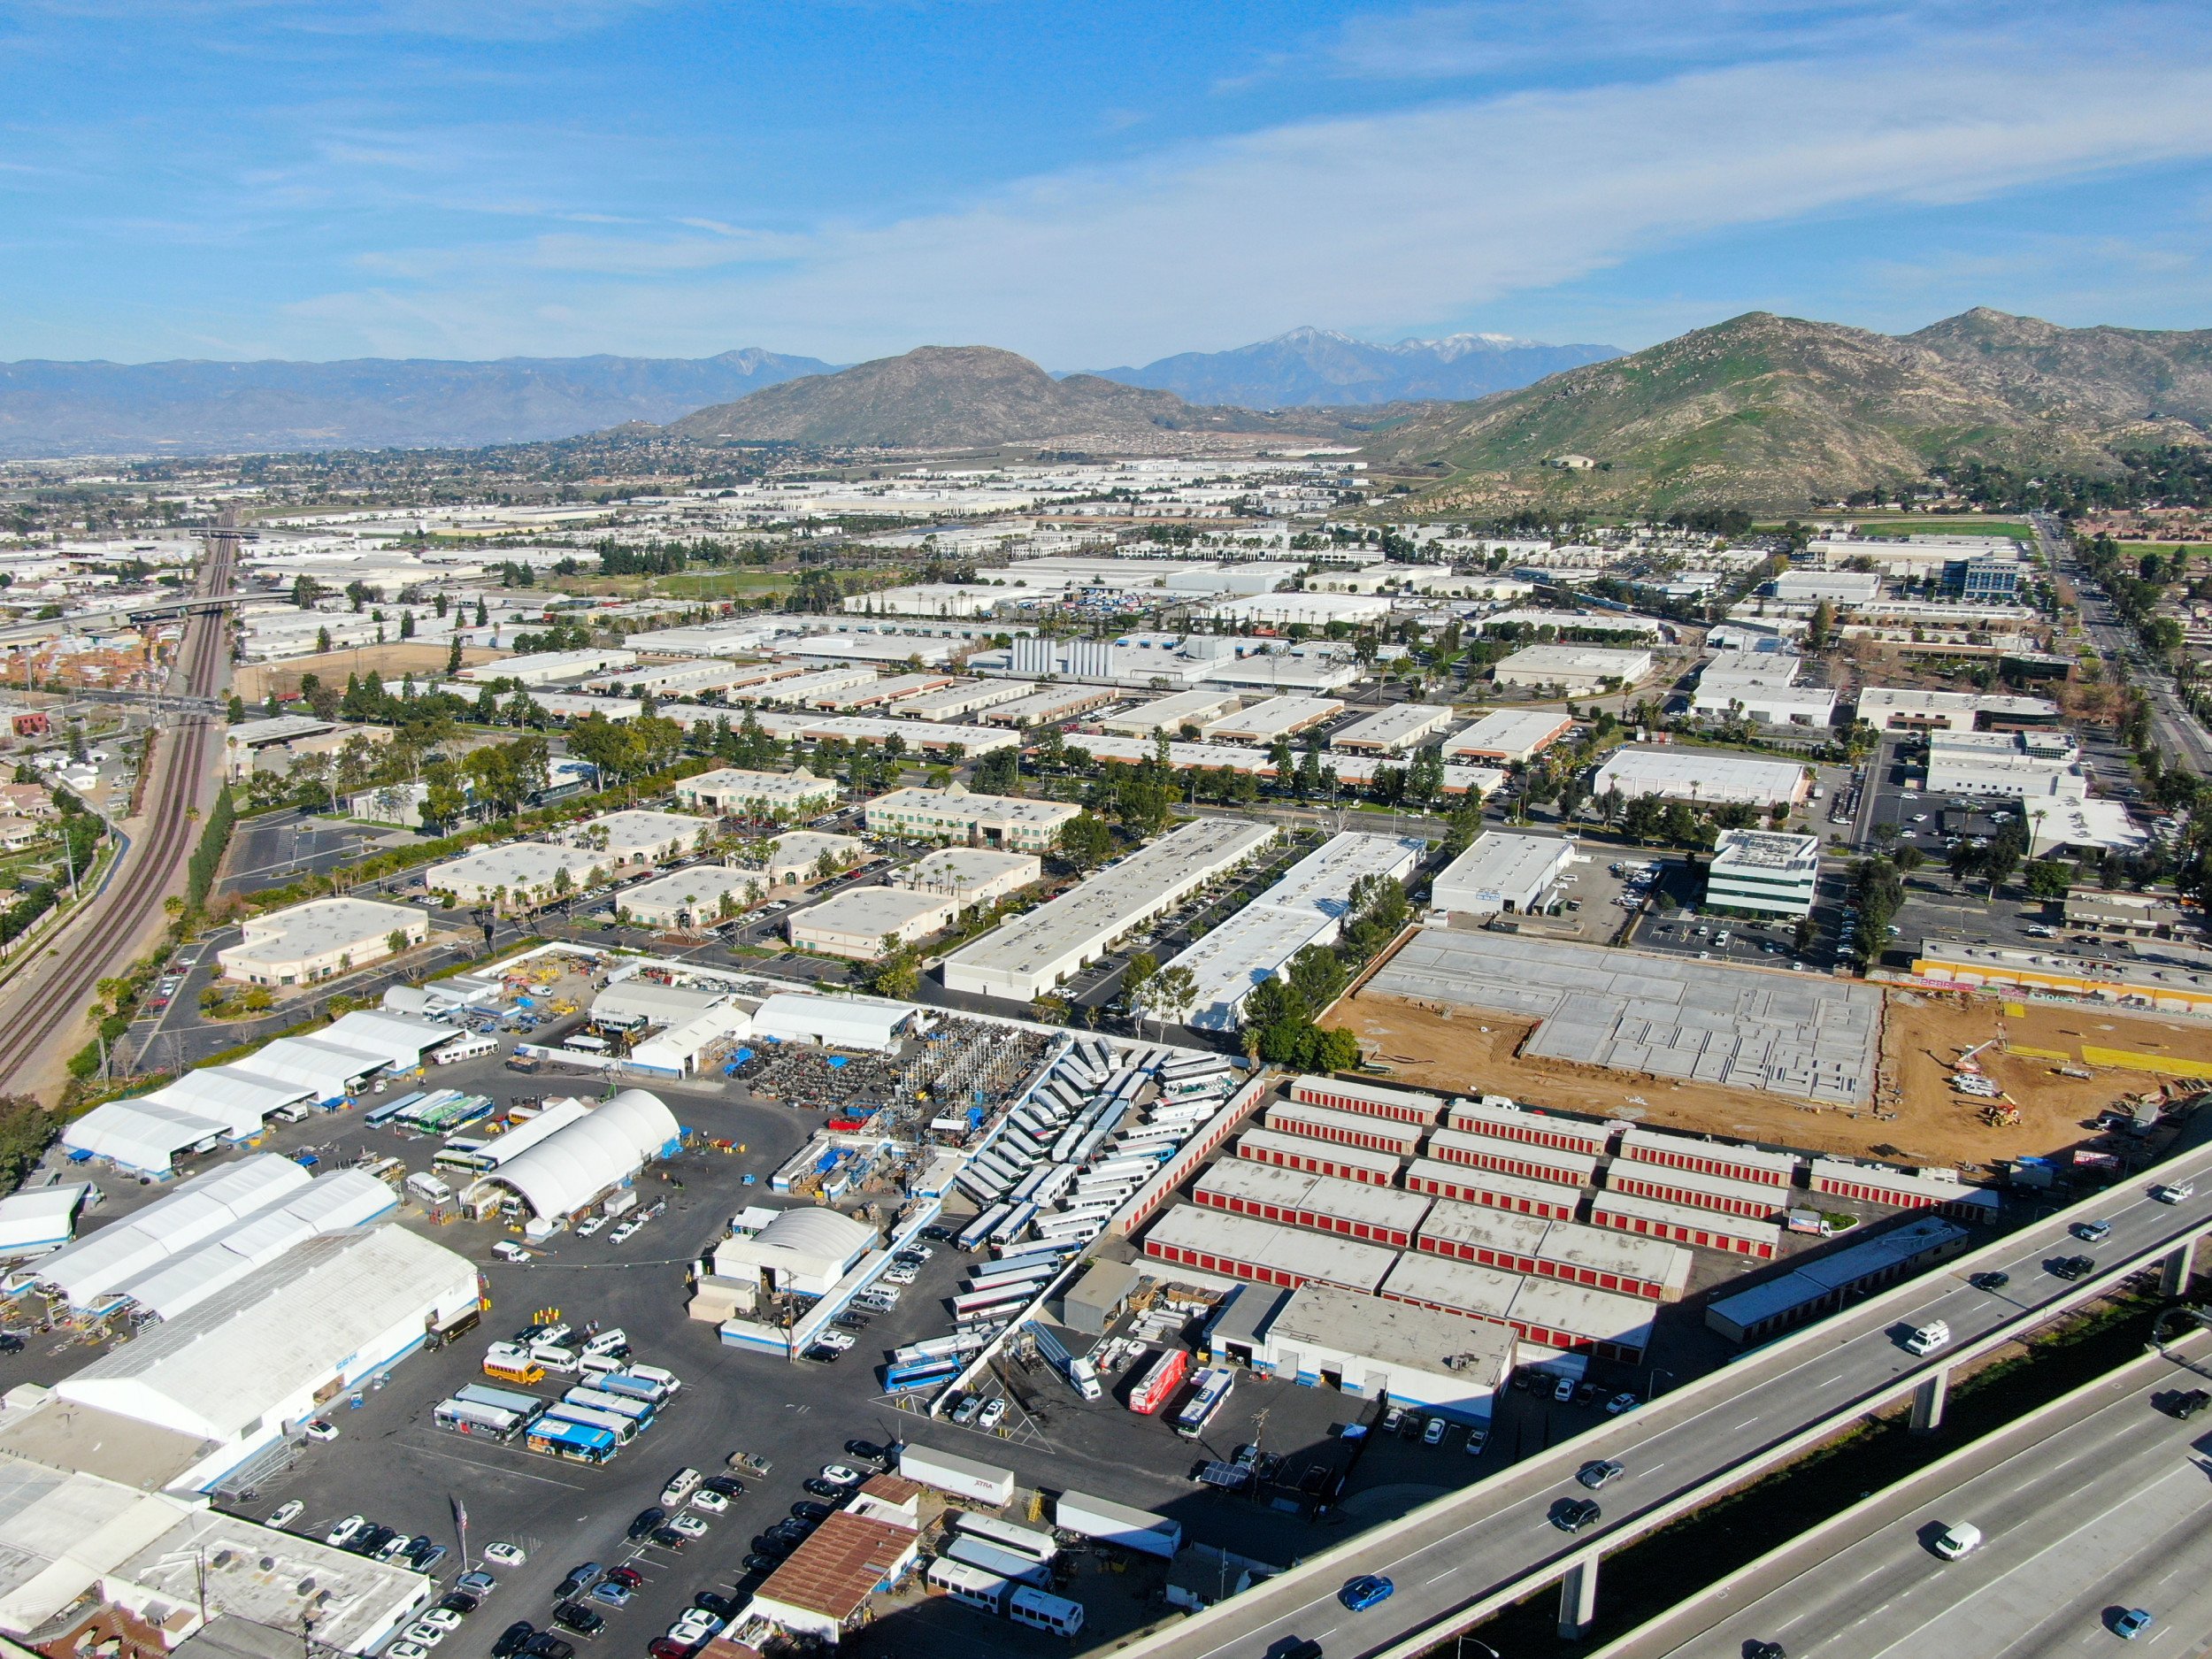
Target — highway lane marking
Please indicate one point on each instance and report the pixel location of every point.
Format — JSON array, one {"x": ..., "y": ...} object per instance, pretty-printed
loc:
[{"x": 1746, "y": 1424}]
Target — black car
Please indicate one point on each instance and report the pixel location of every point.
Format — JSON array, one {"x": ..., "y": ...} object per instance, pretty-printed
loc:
[
  {"x": 645, "y": 1521},
  {"x": 459, "y": 1601},
  {"x": 868, "y": 1449},
  {"x": 369, "y": 1540},
  {"x": 774, "y": 1549},
  {"x": 720, "y": 1606},
  {"x": 851, "y": 1322},
  {"x": 728, "y": 1486},
  {"x": 1990, "y": 1281},
  {"x": 1571, "y": 1514},
  {"x": 1763, "y": 1650},
  {"x": 813, "y": 1514},
  {"x": 576, "y": 1617},
  {"x": 760, "y": 1563},
  {"x": 669, "y": 1538},
  {"x": 11, "y": 1343},
  {"x": 2075, "y": 1267},
  {"x": 822, "y": 1356},
  {"x": 2186, "y": 1406},
  {"x": 579, "y": 1579},
  {"x": 793, "y": 1528},
  {"x": 545, "y": 1645},
  {"x": 512, "y": 1639}
]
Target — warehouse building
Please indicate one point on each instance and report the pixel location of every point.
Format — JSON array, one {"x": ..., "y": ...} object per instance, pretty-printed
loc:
[
  {"x": 1469, "y": 1184},
  {"x": 1512, "y": 874},
  {"x": 1901, "y": 709},
  {"x": 1702, "y": 776},
  {"x": 1885, "y": 1184},
  {"x": 1672, "y": 1151},
  {"x": 1402, "y": 727},
  {"x": 1405, "y": 1106},
  {"x": 86, "y": 1273},
  {"x": 1495, "y": 1116},
  {"x": 1029, "y": 955},
  {"x": 239, "y": 1369},
  {"x": 1324, "y": 1335},
  {"x": 1679, "y": 1223},
  {"x": 931, "y": 736},
  {"x": 321, "y": 938},
  {"x": 1272, "y": 718},
  {"x": 1573, "y": 671},
  {"x": 543, "y": 668},
  {"x": 824, "y": 1589},
  {"x": 1319, "y": 1157},
  {"x": 39, "y": 1220},
  {"x": 801, "y": 690},
  {"x": 1509, "y": 736},
  {"x": 1133, "y": 751},
  {"x": 567, "y": 1170},
  {"x": 637, "y": 836},
  {"x": 1379, "y": 1214},
  {"x": 801, "y": 1252},
  {"x": 956, "y": 814},
  {"x": 1049, "y": 706},
  {"x": 1824, "y": 1282},
  {"x": 2002, "y": 766},
  {"x": 697, "y": 897},
  {"x": 1264, "y": 1252},
  {"x": 1547, "y": 1312},
  {"x": 1307, "y": 907},
  {"x": 1512, "y": 1157},
  {"x": 523, "y": 873},
  {"x": 971, "y": 875},
  {"x": 885, "y": 693},
  {"x": 780, "y": 795},
  {"x": 1767, "y": 700},
  {"x": 855, "y": 923},
  {"x": 1559, "y": 1250},
  {"x": 1689, "y": 1190},
  {"x": 962, "y": 696},
  {"x": 1768, "y": 872},
  {"x": 1172, "y": 714},
  {"x": 868, "y": 1023},
  {"x": 1348, "y": 1129}
]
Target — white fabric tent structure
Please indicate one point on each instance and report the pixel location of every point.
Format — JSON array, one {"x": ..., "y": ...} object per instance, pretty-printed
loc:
[
  {"x": 835, "y": 1022},
  {"x": 567, "y": 1170},
  {"x": 402, "y": 1039},
  {"x": 201, "y": 1208},
  {"x": 325, "y": 1069},
  {"x": 238, "y": 1100},
  {"x": 40, "y": 1219},
  {"x": 344, "y": 1198},
  {"x": 142, "y": 1136}
]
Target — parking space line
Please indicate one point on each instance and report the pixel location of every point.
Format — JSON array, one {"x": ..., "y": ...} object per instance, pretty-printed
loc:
[{"x": 495, "y": 1469}]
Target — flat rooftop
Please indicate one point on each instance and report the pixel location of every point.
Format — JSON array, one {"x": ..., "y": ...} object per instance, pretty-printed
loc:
[
  {"x": 1796, "y": 1034},
  {"x": 1395, "y": 1332}
]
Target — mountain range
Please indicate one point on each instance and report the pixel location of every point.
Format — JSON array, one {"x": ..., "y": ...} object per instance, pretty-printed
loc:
[
  {"x": 1778, "y": 410},
  {"x": 1320, "y": 367},
  {"x": 191, "y": 407}
]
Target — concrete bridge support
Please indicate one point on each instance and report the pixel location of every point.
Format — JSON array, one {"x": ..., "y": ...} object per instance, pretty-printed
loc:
[
  {"x": 1928, "y": 1401},
  {"x": 2178, "y": 1268},
  {"x": 1578, "y": 1599}
]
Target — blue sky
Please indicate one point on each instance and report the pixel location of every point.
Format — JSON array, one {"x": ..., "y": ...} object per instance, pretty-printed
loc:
[{"x": 1091, "y": 185}]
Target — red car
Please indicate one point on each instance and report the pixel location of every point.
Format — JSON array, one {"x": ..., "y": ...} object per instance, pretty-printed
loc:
[
  {"x": 629, "y": 1578},
  {"x": 668, "y": 1647}
]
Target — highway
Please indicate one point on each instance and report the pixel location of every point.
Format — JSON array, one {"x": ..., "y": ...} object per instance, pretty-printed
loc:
[
  {"x": 2179, "y": 735},
  {"x": 1459, "y": 1559},
  {"x": 2095, "y": 1502},
  {"x": 43, "y": 1009}
]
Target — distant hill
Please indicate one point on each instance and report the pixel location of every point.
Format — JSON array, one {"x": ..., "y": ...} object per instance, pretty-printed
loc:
[
  {"x": 1777, "y": 410},
  {"x": 193, "y": 407},
  {"x": 1317, "y": 366},
  {"x": 958, "y": 397}
]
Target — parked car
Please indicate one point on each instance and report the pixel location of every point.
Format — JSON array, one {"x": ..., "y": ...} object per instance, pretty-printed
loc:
[
  {"x": 629, "y": 1576},
  {"x": 321, "y": 1429},
  {"x": 286, "y": 1513},
  {"x": 576, "y": 1617},
  {"x": 993, "y": 1414},
  {"x": 579, "y": 1579},
  {"x": 476, "y": 1584},
  {"x": 820, "y": 1488},
  {"x": 511, "y": 1639},
  {"x": 811, "y": 1515},
  {"x": 612, "y": 1594},
  {"x": 669, "y": 1538},
  {"x": 708, "y": 1500},
  {"x": 1433, "y": 1433},
  {"x": 689, "y": 1526},
  {"x": 545, "y": 1645},
  {"x": 1621, "y": 1402}
]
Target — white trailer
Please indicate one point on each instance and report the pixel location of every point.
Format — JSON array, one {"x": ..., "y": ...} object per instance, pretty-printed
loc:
[
  {"x": 1114, "y": 1523},
  {"x": 961, "y": 1477}
]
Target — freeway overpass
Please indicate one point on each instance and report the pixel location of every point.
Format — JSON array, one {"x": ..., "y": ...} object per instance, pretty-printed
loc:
[
  {"x": 1462, "y": 1558},
  {"x": 145, "y": 609},
  {"x": 2094, "y": 1501}
]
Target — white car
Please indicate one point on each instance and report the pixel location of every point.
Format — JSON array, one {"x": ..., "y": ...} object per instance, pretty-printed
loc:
[
  {"x": 839, "y": 1340},
  {"x": 713, "y": 1502},
  {"x": 322, "y": 1429},
  {"x": 589, "y": 1224},
  {"x": 689, "y": 1526},
  {"x": 285, "y": 1514},
  {"x": 444, "y": 1617},
  {"x": 993, "y": 1414},
  {"x": 505, "y": 1554},
  {"x": 623, "y": 1233},
  {"x": 407, "y": 1650},
  {"x": 842, "y": 1474},
  {"x": 694, "y": 1627},
  {"x": 345, "y": 1529},
  {"x": 427, "y": 1635}
]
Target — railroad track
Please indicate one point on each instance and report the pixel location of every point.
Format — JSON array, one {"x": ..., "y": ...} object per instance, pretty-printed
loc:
[{"x": 50, "y": 1004}]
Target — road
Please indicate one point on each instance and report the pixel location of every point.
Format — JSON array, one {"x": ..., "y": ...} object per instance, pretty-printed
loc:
[
  {"x": 1463, "y": 1556},
  {"x": 2095, "y": 1503},
  {"x": 42, "y": 1010},
  {"x": 2179, "y": 735}
]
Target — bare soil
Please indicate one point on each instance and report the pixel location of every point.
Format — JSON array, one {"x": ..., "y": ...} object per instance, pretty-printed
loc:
[
  {"x": 1917, "y": 1118},
  {"x": 254, "y": 681}
]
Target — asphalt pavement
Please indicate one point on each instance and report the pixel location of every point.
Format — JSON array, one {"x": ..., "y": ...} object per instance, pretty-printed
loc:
[
  {"x": 2177, "y": 731},
  {"x": 1497, "y": 1543},
  {"x": 2093, "y": 1505}
]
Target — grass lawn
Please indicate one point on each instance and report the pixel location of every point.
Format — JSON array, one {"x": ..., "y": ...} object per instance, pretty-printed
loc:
[
  {"x": 1938, "y": 523},
  {"x": 724, "y": 584}
]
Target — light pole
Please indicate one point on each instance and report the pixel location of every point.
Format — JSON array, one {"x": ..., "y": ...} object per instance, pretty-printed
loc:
[
  {"x": 1460, "y": 1650},
  {"x": 1651, "y": 1383}
]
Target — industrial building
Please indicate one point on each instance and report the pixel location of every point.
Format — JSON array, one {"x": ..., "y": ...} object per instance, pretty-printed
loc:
[
  {"x": 568, "y": 1170},
  {"x": 1753, "y": 697},
  {"x": 1902, "y": 708},
  {"x": 1825, "y": 1281},
  {"x": 1702, "y": 776},
  {"x": 1029, "y": 955},
  {"x": 1307, "y": 907},
  {"x": 888, "y": 649},
  {"x": 1902, "y": 1189},
  {"x": 543, "y": 668},
  {"x": 1838, "y": 587},
  {"x": 522, "y": 873},
  {"x": 695, "y": 896},
  {"x": 2028, "y": 765},
  {"x": 1737, "y": 1235},
  {"x": 962, "y": 696},
  {"x": 2153, "y": 977},
  {"x": 956, "y": 814},
  {"x": 1765, "y": 872},
  {"x": 971, "y": 875},
  {"x": 801, "y": 1252},
  {"x": 1501, "y": 872},
  {"x": 1509, "y": 736},
  {"x": 1261, "y": 723},
  {"x": 1730, "y": 1160},
  {"x": 1319, "y": 1157},
  {"x": 637, "y": 836},
  {"x": 929, "y": 736},
  {"x": 1049, "y": 706},
  {"x": 781, "y": 796},
  {"x": 796, "y": 856},
  {"x": 855, "y": 923},
  {"x": 323, "y": 937},
  {"x": 1573, "y": 670},
  {"x": 1498, "y": 1189},
  {"x": 1398, "y": 729},
  {"x": 1796, "y": 1034},
  {"x": 1171, "y": 714},
  {"x": 1318, "y": 1334},
  {"x": 234, "y": 1371},
  {"x": 835, "y": 1022},
  {"x": 885, "y": 692}
]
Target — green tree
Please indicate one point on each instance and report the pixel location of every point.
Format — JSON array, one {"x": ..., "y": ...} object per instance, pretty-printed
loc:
[
  {"x": 896, "y": 972},
  {"x": 1084, "y": 842},
  {"x": 2048, "y": 879}
]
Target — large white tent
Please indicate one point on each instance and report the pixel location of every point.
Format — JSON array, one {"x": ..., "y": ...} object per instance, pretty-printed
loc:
[
  {"x": 402, "y": 1039},
  {"x": 325, "y": 1069},
  {"x": 199, "y": 1209},
  {"x": 344, "y": 1198},
  {"x": 567, "y": 1170},
  {"x": 141, "y": 1136},
  {"x": 835, "y": 1022},
  {"x": 235, "y": 1098},
  {"x": 40, "y": 1219}
]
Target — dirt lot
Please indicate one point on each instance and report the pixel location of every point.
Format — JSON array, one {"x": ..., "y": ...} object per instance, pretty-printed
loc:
[
  {"x": 1469, "y": 1050},
  {"x": 392, "y": 660}
]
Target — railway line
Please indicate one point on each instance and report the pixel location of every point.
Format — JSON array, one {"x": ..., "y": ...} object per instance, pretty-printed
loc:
[{"x": 48, "y": 1002}]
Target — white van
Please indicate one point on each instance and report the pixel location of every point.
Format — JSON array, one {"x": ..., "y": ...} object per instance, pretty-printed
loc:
[
  {"x": 1962, "y": 1538},
  {"x": 597, "y": 1365},
  {"x": 606, "y": 1342},
  {"x": 429, "y": 1188},
  {"x": 554, "y": 1357},
  {"x": 667, "y": 1379},
  {"x": 1927, "y": 1338}
]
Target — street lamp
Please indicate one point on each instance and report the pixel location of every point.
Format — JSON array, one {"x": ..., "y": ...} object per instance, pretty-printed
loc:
[
  {"x": 1460, "y": 1650},
  {"x": 1651, "y": 1383}
]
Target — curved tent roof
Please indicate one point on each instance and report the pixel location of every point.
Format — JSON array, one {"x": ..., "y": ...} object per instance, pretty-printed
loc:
[
  {"x": 140, "y": 1135},
  {"x": 238, "y": 1100},
  {"x": 565, "y": 1171},
  {"x": 344, "y": 1198},
  {"x": 207, "y": 1204},
  {"x": 813, "y": 1231}
]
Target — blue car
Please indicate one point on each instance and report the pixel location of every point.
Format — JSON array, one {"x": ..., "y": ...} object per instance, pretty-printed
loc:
[
  {"x": 611, "y": 1594},
  {"x": 2132, "y": 1624},
  {"x": 1366, "y": 1591}
]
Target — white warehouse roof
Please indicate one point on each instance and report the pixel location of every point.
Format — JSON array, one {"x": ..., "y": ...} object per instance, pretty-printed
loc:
[
  {"x": 220, "y": 1370},
  {"x": 567, "y": 1170},
  {"x": 143, "y": 1135},
  {"x": 835, "y": 1022},
  {"x": 342, "y": 1199},
  {"x": 237, "y": 1100},
  {"x": 199, "y": 1209}
]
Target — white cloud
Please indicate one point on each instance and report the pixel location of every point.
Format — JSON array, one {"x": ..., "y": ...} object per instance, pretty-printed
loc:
[{"x": 1373, "y": 222}]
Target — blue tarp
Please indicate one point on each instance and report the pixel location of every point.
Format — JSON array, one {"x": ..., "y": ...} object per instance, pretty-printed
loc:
[{"x": 836, "y": 1060}]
